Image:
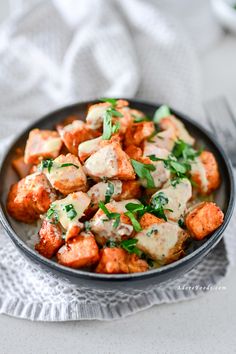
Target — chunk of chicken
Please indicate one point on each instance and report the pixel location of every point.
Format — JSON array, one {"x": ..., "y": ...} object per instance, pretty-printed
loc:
[
  {"x": 116, "y": 260},
  {"x": 116, "y": 189},
  {"x": 42, "y": 144},
  {"x": 22, "y": 169},
  {"x": 50, "y": 239},
  {"x": 179, "y": 128},
  {"x": 89, "y": 147},
  {"x": 81, "y": 251},
  {"x": 69, "y": 211},
  {"x": 205, "y": 173},
  {"x": 176, "y": 198},
  {"x": 106, "y": 229},
  {"x": 75, "y": 133},
  {"x": 96, "y": 113},
  {"x": 138, "y": 132},
  {"x": 161, "y": 241},
  {"x": 203, "y": 219},
  {"x": 164, "y": 139},
  {"x": 110, "y": 161},
  {"x": 66, "y": 174},
  {"x": 30, "y": 197}
]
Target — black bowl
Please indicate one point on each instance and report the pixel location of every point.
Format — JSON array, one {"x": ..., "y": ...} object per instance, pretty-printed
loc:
[{"x": 224, "y": 198}]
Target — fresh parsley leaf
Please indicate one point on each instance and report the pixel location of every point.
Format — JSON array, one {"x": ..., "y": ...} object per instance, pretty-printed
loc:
[
  {"x": 133, "y": 207},
  {"x": 161, "y": 112},
  {"x": 140, "y": 119},
  {"x": 130, "y": 246},
  {"x": 157, "y": 203},
  {"x": 70, "y": 211},
  {"x": 136, "y": 225},
  {"x": 52, "y": 214},
  {"x": 107, "y": 126},
  {"x": 46, "y": 164},
  {"x": 143, "y": 171},
  {"x": 149, "y": 139},
  {"x": 69, "y": 164},
  {"x": 116, "y": 127},
  {"x": 87, "y": 226},
  {"x": 112, "y": 101},
  {"x": 111, "y": 244},
  {"x": 182, "y": 150},
  {"x": 109, "y": 192},
  {"x": 110, "y": 215},
  {"x": 181, "y": 222}
]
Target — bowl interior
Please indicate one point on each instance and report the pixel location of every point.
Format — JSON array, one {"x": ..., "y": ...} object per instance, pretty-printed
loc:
[{"x": 22, "y": 233}]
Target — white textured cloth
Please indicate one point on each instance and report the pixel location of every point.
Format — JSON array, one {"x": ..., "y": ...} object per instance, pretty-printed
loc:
[{"x": 56, "y": 52}]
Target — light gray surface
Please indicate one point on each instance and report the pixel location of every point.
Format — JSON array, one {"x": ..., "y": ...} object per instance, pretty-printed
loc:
[{"x": 206, "y": 325}]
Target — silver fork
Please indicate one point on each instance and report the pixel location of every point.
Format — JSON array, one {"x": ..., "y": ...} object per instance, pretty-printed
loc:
[{"x": 222, "y": 122}]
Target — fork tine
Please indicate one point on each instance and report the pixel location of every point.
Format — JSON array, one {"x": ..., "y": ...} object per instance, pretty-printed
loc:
[{"x": 223, "y": 124}]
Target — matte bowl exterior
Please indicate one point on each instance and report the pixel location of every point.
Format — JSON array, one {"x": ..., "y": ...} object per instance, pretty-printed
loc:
[{"x": 224, "y": 197}]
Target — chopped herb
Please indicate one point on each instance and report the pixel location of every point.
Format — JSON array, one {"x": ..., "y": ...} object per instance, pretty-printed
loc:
[
  {"x": 116, "y": 127},
  {"x": 46, "y": 164},
  {"x": 111, "y": 244},
  {"x": 140, "y": 119},
  {"x": 108, "y": 129},
  {"x": 143, "y": 171},
  {"x": 136, "y": 225},
  {"x": 110, "y": 215},
  {"x": 109, "y": 192},
  {"x": 182, "y": 150},
  {"x": 52, "y": 214},
  {"x": 158, "y": 202},
  {"x": 149, "y": 139},
  {"x": 70, "y": 210},
  {"x": 130, "y": 246},
  {"x": 68, "y": 164},
  {"x": 161, "y": 112},
  {"x": 112, "y": 101},
  {"x": 87, "y": 226},
  {"x": 133, "y": 207},
  {"x": 152, "y": 231},
  {"x": 181, "y": 222}
]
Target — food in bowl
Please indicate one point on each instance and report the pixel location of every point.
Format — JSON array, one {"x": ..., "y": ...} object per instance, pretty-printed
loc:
[{"x": 118, "y": 193}]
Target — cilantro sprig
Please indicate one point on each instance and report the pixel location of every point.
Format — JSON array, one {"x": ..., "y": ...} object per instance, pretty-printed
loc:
[
  {"x": 110, "y": 215},
  {"x": 144, "y": 171},
  {"x": 68, "y": 164},
  {"x": 46, "y": 164},
  {"x": 70, "y": 211},
  {"x": 130, "y": 246},
  {"x": 52, "y": 215},
  {"x": 109, "y": 192},
  {"x": 108, "y": 128}
]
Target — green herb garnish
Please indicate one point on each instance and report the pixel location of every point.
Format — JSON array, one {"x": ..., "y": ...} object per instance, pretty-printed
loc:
[
  {"x": 70, "y": 211},
  {"x": 136, "y": 225},
  {"x": 160, "y": 113},
  {"x": 108, "y": 129},
  {"x": 130, "y": 246},
  {"x": 157, "y": 203},
  {"x": 46, "y": 164},
  {"x": 68, "y": 164},
  {"x": 87, "y": 226},
  {"x": 143, "y": 171},
  {"x": 112, "y": 101},
  {"x": 52, "y": 214},
  {"x": 109, "y": 192},
  {"x": 110, "y": 215},
  {"x": 111, "y": 244}
]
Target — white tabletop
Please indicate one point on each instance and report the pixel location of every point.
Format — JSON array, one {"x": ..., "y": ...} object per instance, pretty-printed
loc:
[{"x": 205, "y": 325}]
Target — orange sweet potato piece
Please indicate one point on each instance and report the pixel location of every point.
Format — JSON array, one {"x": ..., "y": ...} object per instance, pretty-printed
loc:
[{"x": 50, "y": 239}]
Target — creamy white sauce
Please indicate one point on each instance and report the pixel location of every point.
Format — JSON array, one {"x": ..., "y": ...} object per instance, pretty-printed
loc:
[
  {"x": 80, "y": 202},
  {"x": 98, "y": 191},
  {"x": 76, "y": 124},
  {"x": 152, "y": 149},
  {"x": 164, "y": 139},
  {"x": 102, "y": 163},
  {"x": 95, "y": 116},
  {"x": 182, "y": 133},
  {"x": 177, "y": 198},
  {"x": 88, "y": 147},
  {"x": 158, "y": 240},
  {"x": 197, "y": 167}
]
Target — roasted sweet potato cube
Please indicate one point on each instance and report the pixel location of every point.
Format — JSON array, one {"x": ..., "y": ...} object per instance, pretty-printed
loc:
[
  {"x": 30, "y": 197},
  {"x": 116, "y": 260},
  {"x": 204, "y": 219},
  {"x": 149, "y": 219},
  {"x": 138, "y": 132},
  {"x": 205, "y": 173},
  {"x": 81, "y": 251},
  {"x": 134, "y": 152},
  {"x": 110, "y": 161},
  {"x": 66, "y": 174},
  {"x": 42, "y": 144},
  {"x": 21, "y": 168},
  {"x": 50, "y": 239},
  {"x": 75, "y": 133},
  {"x": 130, "y": 190}
]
